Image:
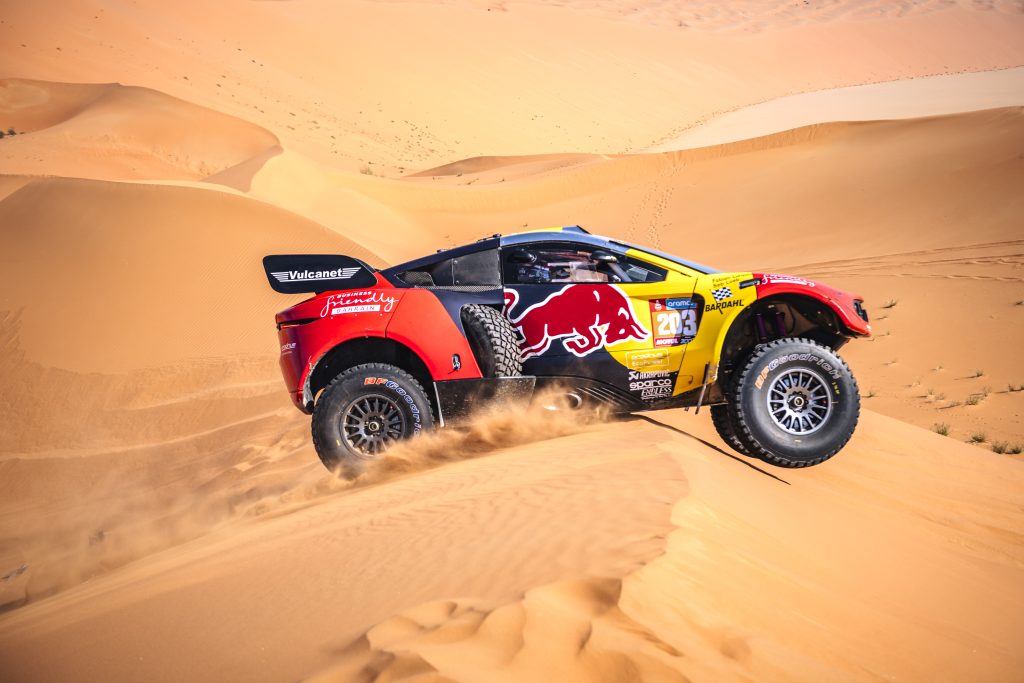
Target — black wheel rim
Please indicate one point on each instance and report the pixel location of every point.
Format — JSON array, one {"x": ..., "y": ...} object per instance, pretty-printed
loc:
[
  {"x": 799, "y": 401},
  {"x": 372, "y": 423}
]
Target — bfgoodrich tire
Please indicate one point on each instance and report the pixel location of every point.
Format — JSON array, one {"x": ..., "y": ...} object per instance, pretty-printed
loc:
[
  {"x": 363, "y": 412},
  {"x": 493, "y": 340},
  {"x": 795, "y": 403},
  {"x": 725, "y": 426}
]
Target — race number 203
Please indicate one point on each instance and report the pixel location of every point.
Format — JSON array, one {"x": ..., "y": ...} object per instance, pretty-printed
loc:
[{"x": 675, "y": 321}]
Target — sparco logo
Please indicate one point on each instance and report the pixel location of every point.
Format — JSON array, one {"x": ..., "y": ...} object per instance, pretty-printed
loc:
[
  {"x": 307, "y": 275},
  {"x": 652, "y": 388},
  {"x": 722, "y": 304}
]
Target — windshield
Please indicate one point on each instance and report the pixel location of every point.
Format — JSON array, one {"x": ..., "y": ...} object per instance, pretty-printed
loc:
[{"x": 669, "y": 257}]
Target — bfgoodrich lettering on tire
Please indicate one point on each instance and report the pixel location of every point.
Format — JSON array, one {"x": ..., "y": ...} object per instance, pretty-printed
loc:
[
  {"x": 363, "y": 412},
  {"x": 794, "y": 403}
]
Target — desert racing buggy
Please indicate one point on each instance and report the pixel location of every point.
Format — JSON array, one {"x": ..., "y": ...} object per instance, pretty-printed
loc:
[{"x": 380, "y": 355}]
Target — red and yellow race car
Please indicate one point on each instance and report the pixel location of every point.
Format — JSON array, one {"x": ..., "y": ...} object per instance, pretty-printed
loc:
[{"x": 380, "y": 355}]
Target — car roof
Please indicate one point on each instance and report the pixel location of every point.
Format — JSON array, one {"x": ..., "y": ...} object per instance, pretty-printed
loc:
[{"x": 573, "y": 234}]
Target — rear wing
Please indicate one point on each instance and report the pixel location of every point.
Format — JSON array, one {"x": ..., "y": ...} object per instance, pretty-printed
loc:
[{"x": 303, "y": 273}]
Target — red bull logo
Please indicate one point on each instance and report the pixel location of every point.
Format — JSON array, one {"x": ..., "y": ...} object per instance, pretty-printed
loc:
[{"x": 584, "y": 317}]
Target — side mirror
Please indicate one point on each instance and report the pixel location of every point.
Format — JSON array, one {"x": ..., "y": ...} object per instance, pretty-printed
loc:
[
  {"x": 523, "y": 256},
  {"x": 604, "y": 257}
]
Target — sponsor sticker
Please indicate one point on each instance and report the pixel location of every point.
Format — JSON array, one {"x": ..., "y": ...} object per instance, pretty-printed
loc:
[
  {"x": 287, "y": 348},
  {"x": 649, "y": 361},
  {"x": 674, "y": 321},
  {"x": 724, "y": 280},
  {"x": 311, "y": 275},
  {"x": 583, "y": 318},
  {"x": 658, "y": 387},
  {"x": 722, "y": 305},
  {"x": 635, "y": 375},
  {"x": 364, "y": 301},
  {"x": 786, "y": 279}
]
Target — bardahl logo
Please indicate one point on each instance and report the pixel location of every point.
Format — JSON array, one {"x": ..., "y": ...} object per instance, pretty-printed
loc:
[
  {"x": 309, "y": 275},
  {"x": 718, "y": 306}
]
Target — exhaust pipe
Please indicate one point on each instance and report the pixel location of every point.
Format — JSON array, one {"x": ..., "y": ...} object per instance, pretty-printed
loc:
[{"x": 570, "y": 400}]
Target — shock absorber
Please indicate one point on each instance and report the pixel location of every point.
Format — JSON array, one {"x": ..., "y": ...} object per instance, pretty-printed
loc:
[
  {"x": 762, "y": 333},
  {"x": 780, "y": 324}
]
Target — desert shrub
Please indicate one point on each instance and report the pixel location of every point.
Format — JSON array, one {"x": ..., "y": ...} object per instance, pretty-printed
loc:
[{"x": 941, "y": 428}]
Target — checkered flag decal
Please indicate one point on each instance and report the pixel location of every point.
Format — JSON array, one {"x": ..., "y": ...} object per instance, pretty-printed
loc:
[{"x": 721, "y": 293}]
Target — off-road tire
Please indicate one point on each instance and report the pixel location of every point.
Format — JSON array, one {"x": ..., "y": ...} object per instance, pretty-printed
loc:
[
  {"x": 493, "y": 341},
  {"x": 767, "y": 370},
  {"x": 721, "y": 418},
  {"x": 353, "y": 396}
]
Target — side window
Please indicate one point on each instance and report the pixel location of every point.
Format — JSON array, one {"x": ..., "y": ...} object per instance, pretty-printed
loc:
[
  {"x": 638, "y": 271},
  {"x": 559, "y": 262}
]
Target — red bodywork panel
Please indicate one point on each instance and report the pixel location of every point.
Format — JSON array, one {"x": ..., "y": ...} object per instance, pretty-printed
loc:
[
  {"x": 839, "y": 301},
  {"x": 415, "y": 318}
]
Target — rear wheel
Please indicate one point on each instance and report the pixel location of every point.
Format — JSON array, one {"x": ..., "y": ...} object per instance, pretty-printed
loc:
[
  {"x": 363, "y": 412},
  {"x": 795, "y": 403}
]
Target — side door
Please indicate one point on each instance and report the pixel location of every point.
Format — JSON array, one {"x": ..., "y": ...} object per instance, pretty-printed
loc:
[{"x": 585, "y": 311}]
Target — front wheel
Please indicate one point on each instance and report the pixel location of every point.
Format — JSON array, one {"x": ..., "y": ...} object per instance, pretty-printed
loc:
[
  {"x": 795, "y": 403},
  {"x": 363, "y": 412}
]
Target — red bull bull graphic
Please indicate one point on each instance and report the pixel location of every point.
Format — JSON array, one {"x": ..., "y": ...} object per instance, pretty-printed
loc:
[{"x": 584, "y": 317}]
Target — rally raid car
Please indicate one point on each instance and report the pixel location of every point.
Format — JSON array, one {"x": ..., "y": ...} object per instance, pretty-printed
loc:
[{"x": 380, "y": 355}]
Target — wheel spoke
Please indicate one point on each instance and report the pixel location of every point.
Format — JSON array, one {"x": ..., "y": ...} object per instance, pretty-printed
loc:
[
  {"x": 371, "y": 423},
  {"x": 798, "y": 401}
]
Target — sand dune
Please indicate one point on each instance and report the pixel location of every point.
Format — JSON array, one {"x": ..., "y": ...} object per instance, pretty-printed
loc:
[
  {"x": 908, "y": 541},
  {"x": 162, "y": 512},
  {"x": 904, "y": 99},
  {"x": 415, "y": 85},
  {"x": 137, "y": 263},
  {"x": 114, "y": 132}
]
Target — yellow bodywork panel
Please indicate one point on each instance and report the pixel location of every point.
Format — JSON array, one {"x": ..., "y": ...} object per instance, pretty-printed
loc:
[{"x": 682, "y": 338}]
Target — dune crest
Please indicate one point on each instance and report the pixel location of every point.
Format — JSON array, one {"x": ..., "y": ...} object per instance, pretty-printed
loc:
[
  {"x": 116, "y": 132},
  {"x": 748, "y": 565}
]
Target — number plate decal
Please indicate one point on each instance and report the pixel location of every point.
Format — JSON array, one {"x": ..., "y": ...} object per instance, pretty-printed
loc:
[{"x": 674, "y": 321}]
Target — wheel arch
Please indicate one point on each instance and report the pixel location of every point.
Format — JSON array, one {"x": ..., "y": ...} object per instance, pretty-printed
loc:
[
  {"x": 775, "y": 317},
  {"x": 360, "y": 350}
]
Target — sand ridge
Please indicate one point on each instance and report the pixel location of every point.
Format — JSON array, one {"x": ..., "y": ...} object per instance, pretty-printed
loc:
[{"x": 159, "y": 494}]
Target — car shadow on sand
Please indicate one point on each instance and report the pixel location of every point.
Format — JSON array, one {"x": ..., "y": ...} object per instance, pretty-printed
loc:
[{"x": 710, "y": 445}]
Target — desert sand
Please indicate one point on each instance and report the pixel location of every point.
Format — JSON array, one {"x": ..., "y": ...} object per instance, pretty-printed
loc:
[{"x": 162, "y": 513}]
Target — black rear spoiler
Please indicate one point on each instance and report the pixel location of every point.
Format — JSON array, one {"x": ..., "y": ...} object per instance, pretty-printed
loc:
[{"x": 302, "y": 273}]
